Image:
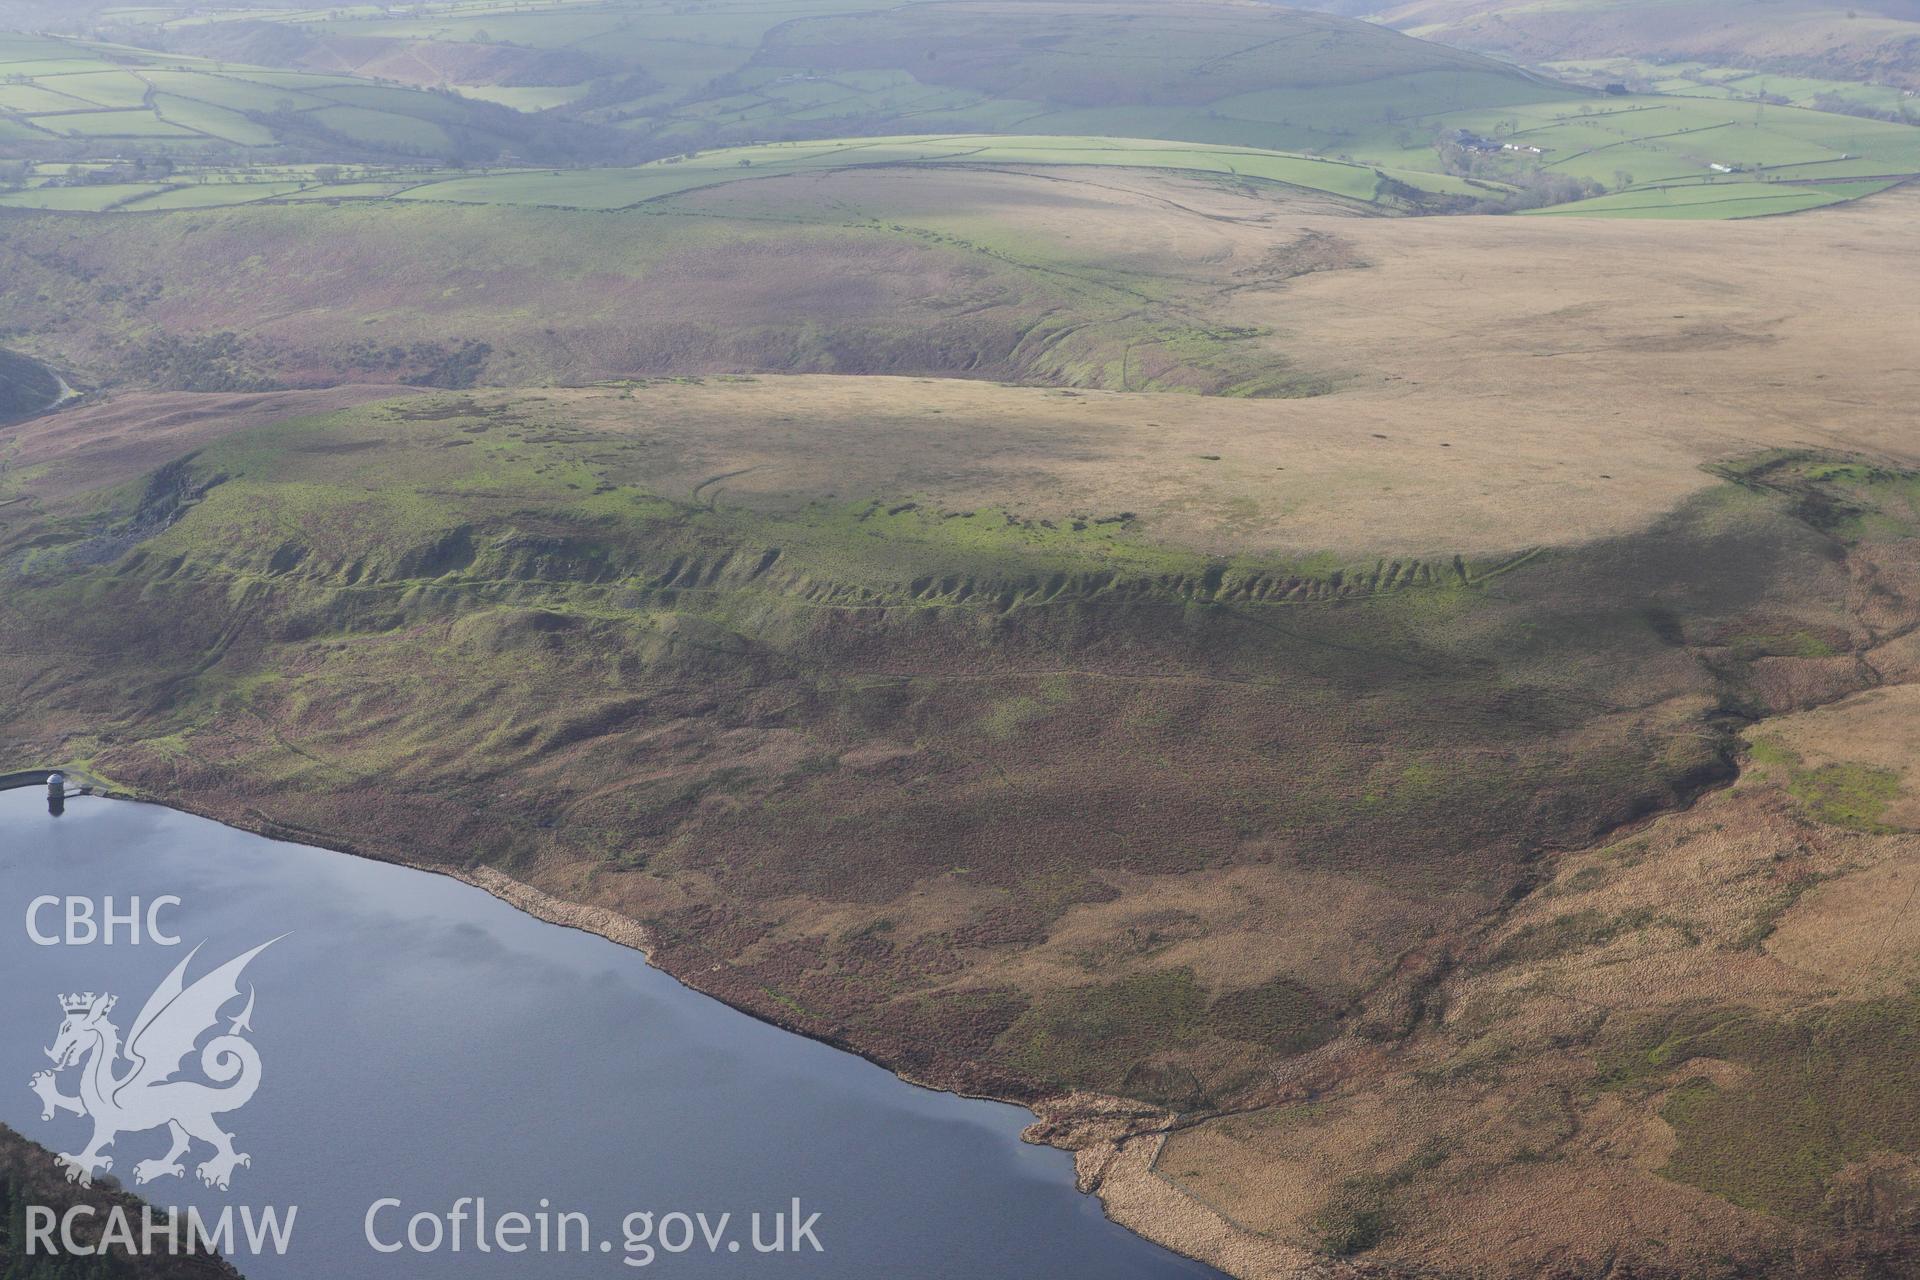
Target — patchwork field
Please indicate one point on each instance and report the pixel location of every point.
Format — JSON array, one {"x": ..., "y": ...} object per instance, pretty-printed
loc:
[
  {"x": 623, "y": 188},
  {"x": 1770, "y": 160},
  {"x": 73, "y": 99},
  {"x": 733, "y": 93},
  {"x": 1689, "y": 79}
]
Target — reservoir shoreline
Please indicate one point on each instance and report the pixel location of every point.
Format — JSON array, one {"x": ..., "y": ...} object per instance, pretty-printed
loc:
[{"x": 1114, "y": 1141}]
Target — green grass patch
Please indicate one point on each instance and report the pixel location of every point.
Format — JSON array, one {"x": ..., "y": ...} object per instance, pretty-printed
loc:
[
  {"x": 92, "y": 93},
  {"x": 215, "y": 121},
  {"x": 1796, "y": 644},
  {"x": 1091, "y": 1037},
  {"x": 383, "y": 129},
  {"x": 1854, "y": 796},
  {"x": 89, "y": 199},
  {"x": 1840, "y": 793},
  {"x": 211, "y": 195},
  {"x": 1822, "y": 1090},
  {"x": 1851, "y": 499},
  {"x": 1719, "y": 201},
  {"x": 113, "y": 124},
  {"x": 621, "y": 188}
]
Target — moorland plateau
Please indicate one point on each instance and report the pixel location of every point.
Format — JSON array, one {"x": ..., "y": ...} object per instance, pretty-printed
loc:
[
  {"x": 1311, "y": 795},
  {"x": 1334, "y": 614}
]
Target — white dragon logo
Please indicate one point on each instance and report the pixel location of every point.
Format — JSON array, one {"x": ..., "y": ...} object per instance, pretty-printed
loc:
[{"x": 146, "y": 1096}]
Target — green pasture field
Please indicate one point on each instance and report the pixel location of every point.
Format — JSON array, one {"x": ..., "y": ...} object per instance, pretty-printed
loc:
[
  {"x": 213, "y": 187},
  {"x": 113, "y": 124},
  {"x": 18, "y": 47},
  {"x": 387, "y": 99},
  {"x": 1807, "y": 91},
  {"x": 99, "y": 88},
  {"x": 238, "y": 90},
  {"x": 1706, "y": 80},
  {"x": 29, "y": 98},
  {"x": 620, "y": 188},
  {"x": 1716, "y": 200},
  {"x": 171, "y": 101},
  {"x": 94, "y": 199},
  {"x": 1356, "y": 106},
  {"x": 381, "y": 129},
  {"x": 350, "y": 191},
  {"x": 1640, "y": 143},
  {"x": 213, "y": 195},
  {"x": 1673, "y": 191},
  {"x": 216, "y": 122},
  {"x": 534, "y": 97}
]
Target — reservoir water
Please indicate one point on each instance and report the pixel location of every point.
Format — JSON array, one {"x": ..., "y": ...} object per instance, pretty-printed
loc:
[
  {"x": 421, "y": 1042},
  {"x": 28, "y": 387}
]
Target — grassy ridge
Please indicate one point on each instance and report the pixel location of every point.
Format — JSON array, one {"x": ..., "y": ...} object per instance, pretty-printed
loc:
[
  {"x": 1660, "y": 150},
  {"x": 1656, "y": 152},
  {"x": 620, "y": 188},
  {"x": 1063, "y": 703},
  {"x": 1659, "y": 155},
  {"x": 1716, "y": 200},
  {"x": 623, "y": 188},
  {"x": 1770, "y": 160},
  {"x": 890, "y": 290}
]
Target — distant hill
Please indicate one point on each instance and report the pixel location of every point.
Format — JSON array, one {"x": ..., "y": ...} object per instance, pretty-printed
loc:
[
  {"x": 64, "y": 98},
  {"x": 391, "y": 92},
  {"x": 1069, "y": 54},
  {"x": 1190, "y": 70},
  {"x": 48, "y": 15},
  {"x": 424, "y": 63},
  {"x": 1198, "y": 71},
  {"x": 1873, "y": 41}
]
